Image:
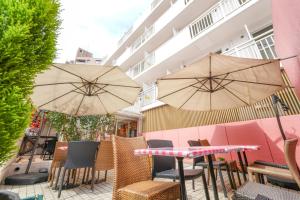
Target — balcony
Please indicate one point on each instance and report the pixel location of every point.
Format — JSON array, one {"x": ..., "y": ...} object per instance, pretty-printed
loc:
[
  {"x": 262, "y": 46},
  {"x": 143, "y": 38},
  {"x": 196, "y": 38},
  {"x": 216, "y": 13},
  {"x": 142, "y": 65},
  {"x": 180, "y": 13}
]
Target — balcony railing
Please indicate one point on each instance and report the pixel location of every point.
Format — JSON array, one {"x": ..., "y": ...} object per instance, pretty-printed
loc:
[
  {"x": 214, "y": 14},
  {"x": 260, "y": 47},
  {"x": 142, "y": 65},
  {"x": 149, "y": 96},
  {"x": 143, "y": 38}
]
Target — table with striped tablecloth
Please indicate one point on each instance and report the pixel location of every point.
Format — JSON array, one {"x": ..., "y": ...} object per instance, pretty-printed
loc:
[{"x": 193, "y": 152}]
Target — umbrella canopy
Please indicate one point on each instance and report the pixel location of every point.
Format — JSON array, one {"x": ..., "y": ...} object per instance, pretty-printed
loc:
[
  {"x": 84, "y": 89},
  {"x": 221, "y": 82}
]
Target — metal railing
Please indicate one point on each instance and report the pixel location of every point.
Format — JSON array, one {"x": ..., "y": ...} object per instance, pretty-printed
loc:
[
  {"x": 216, "y": 13},
  {"x": 141, "y": 39},
  {"x": 149, "y": 96},
  {"x": 142, "y": 65},
  {"x": 262, "y": 46}
]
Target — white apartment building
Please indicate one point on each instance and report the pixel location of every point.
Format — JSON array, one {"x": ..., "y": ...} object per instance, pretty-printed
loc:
[{"x": 174, "y": 33}]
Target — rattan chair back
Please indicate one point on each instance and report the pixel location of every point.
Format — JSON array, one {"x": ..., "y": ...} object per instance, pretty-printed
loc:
[
  {"x": 290, "y": 157},
  {"x": 129, "y": 168},
  {"x": 105, "y": 159},
  {"x": 60, "y": 155}
]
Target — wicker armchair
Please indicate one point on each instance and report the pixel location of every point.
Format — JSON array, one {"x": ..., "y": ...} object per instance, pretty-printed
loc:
[
  {"x": 133, "y": 174},
  {"x": 59, "y": 157},
  {"x": 104, "y": 160}
]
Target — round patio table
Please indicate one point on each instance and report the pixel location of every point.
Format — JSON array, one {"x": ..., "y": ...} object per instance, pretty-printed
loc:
[{"x": 193, "y": 152}]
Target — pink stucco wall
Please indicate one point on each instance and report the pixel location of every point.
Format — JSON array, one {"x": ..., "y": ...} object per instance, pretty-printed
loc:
[
  {"x": 286, "y": 18},
  {"x": 262, "y": 132}
]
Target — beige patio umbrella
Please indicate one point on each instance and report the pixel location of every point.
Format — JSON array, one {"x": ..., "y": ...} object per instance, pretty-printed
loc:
[
  {"x": 79, "y": 90},
  {"x": 221, "y": 82}
]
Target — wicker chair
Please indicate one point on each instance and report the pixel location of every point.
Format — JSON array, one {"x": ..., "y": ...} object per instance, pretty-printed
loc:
[
  {"x": 59, "y": 158},
  {"x": 251, "y": 190},
  {"x": 133, "y": 174},
  {"x": 104, "y": 160},
  {"x": 290, "y": 158}
]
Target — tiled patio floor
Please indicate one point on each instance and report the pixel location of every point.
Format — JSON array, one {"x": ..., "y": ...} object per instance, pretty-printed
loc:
[{"x": 102, "y": 190}]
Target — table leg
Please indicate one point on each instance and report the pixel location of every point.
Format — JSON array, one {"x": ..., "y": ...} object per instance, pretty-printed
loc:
[
  {"x": 242, "y": 165},
  {"x": 245, "y": 158},
  {"x": 181, "y": 178},
  {"x": 213, "y": 178}
]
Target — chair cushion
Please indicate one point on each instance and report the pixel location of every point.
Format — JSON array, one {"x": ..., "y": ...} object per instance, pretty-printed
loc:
[
  {"x": 174, "y": 174},
  {"x": 250, "y": 190},
  {"x": 150, "y": 190}
]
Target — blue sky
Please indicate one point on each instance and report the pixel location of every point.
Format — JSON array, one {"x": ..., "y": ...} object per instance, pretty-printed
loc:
[{"x": 95, "y": 25}]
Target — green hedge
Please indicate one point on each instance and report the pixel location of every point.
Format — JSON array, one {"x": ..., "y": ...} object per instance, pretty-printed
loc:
[{"x": 28, "y": 32}]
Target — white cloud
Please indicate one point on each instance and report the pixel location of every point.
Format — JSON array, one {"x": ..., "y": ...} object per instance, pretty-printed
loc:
[{"x": 95, "y": 25}]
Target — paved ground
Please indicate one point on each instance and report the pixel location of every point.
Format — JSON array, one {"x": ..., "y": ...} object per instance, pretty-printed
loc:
[{"x": 102, "y": 190}]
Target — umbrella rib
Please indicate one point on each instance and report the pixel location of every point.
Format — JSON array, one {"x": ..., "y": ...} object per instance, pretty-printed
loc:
[
  {"x": 59, "y": 97},
  {"x": 79, "y": 88},
  {"x": 259, "y": 83},
  {"x": 99, "y": 89},
  {"x": 220, "y": 82},
  {"x": 188, "y": 78},
  {"x": 188, "y": 99},
  {"x": 238, "y": 70},
  {"x": 107, "y": 84},
  {"x": 47, "y": 84},
  {"x": 117, "y": 96},
  {"x": 220, "y": 86},
  {"x": 80, "y": 104},
  {"x": 233, "y": 94},
  {"x": 69, "y": 72},
  {"x": 102, "y": 104},
  {"x": 198, "y": 88},
  {"x": 104, "y": 73},
  {"x": 180, "y": 89}
]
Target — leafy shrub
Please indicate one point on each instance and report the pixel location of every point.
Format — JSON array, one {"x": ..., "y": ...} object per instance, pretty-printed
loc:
[{"x": 28, "y": 32}]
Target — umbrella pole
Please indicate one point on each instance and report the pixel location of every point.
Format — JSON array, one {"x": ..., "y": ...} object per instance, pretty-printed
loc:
[
  {"x": 36, "y": 142},
  {"x": 275, "y": 101}
]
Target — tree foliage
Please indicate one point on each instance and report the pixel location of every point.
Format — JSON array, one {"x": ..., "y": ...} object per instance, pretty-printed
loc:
[
  {"x": 28, "y": 32},
  {"x": 82, "y": 127}
]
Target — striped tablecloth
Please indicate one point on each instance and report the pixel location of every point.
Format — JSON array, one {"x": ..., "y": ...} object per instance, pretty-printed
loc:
[{"x": 192, "y": 152}]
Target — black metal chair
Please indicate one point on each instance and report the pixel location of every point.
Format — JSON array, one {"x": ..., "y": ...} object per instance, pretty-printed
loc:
[
  {"x": 49, "y": 147},
  {"x": 81, "y": 154},
  {"x": 165, "y": 167},
  {"x": 219, "y": 165},
  {"x": 194, "y": 143}
]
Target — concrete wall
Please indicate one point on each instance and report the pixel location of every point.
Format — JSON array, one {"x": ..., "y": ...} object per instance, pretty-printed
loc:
[{"x": 262, "y": 132}]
